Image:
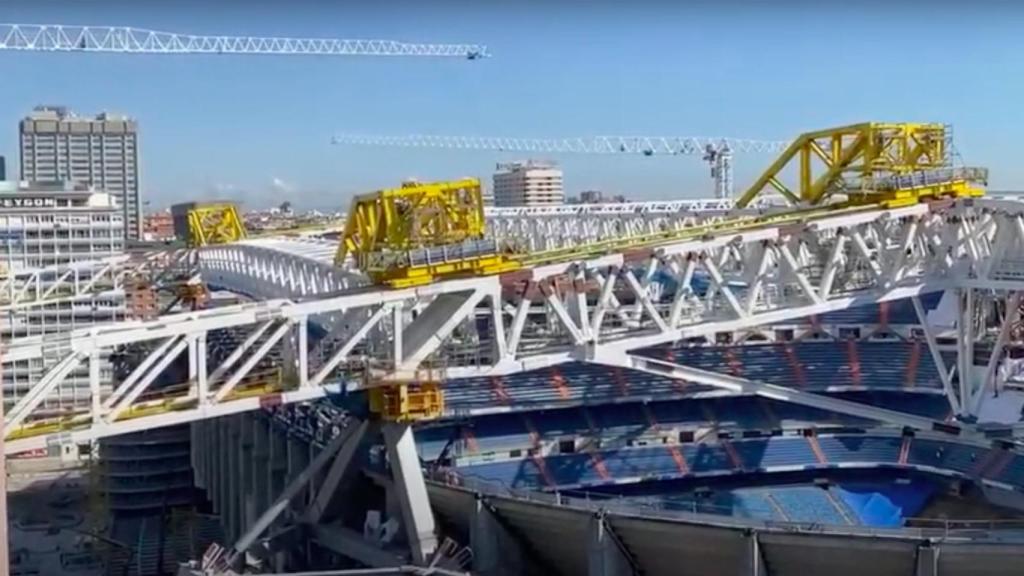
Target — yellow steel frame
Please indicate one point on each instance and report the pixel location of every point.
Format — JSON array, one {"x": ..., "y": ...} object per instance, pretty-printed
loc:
[
  {"x": 217, "y": 223},
  {"x": 414, "y": 216},
  {"x": 384, "y": 226},
  {"x": 407, "y": 402},
  {"x": 859, "y": 153}
]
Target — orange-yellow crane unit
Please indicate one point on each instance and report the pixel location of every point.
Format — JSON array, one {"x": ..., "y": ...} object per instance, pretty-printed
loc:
[{"x": 413, "y": 234}]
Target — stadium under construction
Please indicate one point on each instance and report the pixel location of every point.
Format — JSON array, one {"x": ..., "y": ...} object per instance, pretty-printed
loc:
[{"x": 819, "y": 377}]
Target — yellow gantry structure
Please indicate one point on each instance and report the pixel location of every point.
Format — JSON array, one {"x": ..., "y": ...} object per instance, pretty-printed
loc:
[
  {"x": 416, "y": 233},
  {"x": 209, "y": 223},
  {"x": 856, "y": 160},
  {"x": 407, "y": 402}
]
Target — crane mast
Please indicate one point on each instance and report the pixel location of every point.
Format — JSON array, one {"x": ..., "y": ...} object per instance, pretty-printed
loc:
[
  {"x": 128, "y": 40},
  {"x": 717, "y": 152}
]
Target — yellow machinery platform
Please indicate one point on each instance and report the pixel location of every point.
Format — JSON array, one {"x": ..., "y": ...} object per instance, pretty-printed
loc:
[
  {"x": 420, "y": 232},
  {"x": 407, "y": 402},
  {"x": 203, "y": 224}
]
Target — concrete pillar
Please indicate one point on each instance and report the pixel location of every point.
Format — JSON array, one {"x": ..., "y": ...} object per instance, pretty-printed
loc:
[
  {"x": 278, "y": 463},
  {"x": 307, "y": 497},
  {"x": 753, "y": 562},
  {"x": 261, "y": 463},
  {"x": 298, "y": 459},
  {"x": 604, "y": 557},
  {"x": 210, "y": 429},
  {"x": 928, "y": 559},
  {"x": 221, "y": 464},
  {"x": 248, "y": 482},
  {"x": 276, "y": 474},
  {"x": 234, "y": 476},
  {"x": 194, "y": 452},
  {"x": 495, "y": 551}
]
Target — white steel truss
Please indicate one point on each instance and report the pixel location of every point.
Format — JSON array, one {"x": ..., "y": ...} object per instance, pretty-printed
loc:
[
  {"x": 616, "y": 209},
  {"x": 27, "y": 287},
  {"x": 598, "y": 308},
  {"x": 642, "y": 145},
  {"x": 277, "y": 268},
  {"x": 303, "y": 265},
  {"x": 534, "y": 228},
  {"x": 64, "y": 38}
]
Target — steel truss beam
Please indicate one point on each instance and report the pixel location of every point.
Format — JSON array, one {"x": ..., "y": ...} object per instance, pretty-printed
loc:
[
  {"x": 25, "y": 288},
  {"x": 645, "y": 145},
  {"x": 277, "y": 268},
  {"x": 61, "y": 38},
  {"x": 261, "y": 328},
  {"x": 537, "y": 228},
  {"x": 592, "y": 308},
  {"x": 775, "y": 392}
]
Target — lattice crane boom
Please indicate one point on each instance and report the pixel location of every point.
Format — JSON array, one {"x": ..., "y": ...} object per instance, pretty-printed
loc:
[
  {"x": 645, "y": 145},
  {"x": 717, "y": 152},
  {"x": 121, "y": 39}
]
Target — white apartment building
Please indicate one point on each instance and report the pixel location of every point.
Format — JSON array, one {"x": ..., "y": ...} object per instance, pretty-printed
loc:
[
  {"x": 43, "y": 225},
  {"x": 530, "y": 183}
]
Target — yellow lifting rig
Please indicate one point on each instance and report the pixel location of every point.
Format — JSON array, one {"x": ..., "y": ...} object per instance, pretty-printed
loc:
[
  {"x": 869, "y": 163},
  {"x": 205, "y": 224},
  {"x": 421, "y": 232}
]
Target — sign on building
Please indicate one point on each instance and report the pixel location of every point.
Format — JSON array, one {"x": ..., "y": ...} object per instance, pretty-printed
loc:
[{"x": 28, "y": 202}]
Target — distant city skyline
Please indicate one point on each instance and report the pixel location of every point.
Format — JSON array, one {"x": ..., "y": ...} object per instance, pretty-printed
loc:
[{"x": 256, "y": 129}]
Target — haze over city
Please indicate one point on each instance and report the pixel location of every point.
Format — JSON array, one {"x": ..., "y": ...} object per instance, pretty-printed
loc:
[{"x": 258, "y": 129}]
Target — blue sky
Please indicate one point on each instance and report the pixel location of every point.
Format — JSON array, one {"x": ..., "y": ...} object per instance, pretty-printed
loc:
[{"x": 233, "y": 126}]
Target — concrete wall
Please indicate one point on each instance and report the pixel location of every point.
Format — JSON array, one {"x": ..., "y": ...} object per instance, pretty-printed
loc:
[{"x": 562, "y": 538}]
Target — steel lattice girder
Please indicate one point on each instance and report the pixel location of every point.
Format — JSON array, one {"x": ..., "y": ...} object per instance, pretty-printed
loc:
[
  {"x": 61, "y": 38},
  {"x": 595, "y": 309},
  {"x": 533, "y": 229},
  {"x": 277, "y": 268},
  {"x": 67, "y": 282},
  {"x": 641, "y": 145}
]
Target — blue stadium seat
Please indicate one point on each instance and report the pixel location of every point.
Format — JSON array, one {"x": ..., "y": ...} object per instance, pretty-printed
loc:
[{"x": 856, "y": 448}]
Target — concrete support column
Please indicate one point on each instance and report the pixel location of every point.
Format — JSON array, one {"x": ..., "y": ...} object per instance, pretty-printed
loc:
[
  {"x": 222, "y": 471},
  {"x": 278, "y": 463},
  {"x": 298, "y": 459},
  {"x": 261, "y": 463},
  {"x": 277, "y": 472},
  {"x": 193, "y": 454},
  {"x": 248, "y": 482},
  {"x": 495, "y": 551},
  {"x": 234, "y": 476},
  {"x": 210, "y": 428},
  {"x": 604, "y": 556},
  {"x": 753, "y": 563},
  {"x": 927, "y": 559},
  {"x": 318, "y": 478}
]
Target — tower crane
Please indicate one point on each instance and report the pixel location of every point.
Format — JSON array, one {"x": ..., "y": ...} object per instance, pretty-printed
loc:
[
  {"x": 121, "y": 39},
  {"x": 717, "y": 152}
]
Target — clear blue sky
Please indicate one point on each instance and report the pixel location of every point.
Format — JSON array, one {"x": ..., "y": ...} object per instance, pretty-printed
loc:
[{"x": 235, "y": 124}]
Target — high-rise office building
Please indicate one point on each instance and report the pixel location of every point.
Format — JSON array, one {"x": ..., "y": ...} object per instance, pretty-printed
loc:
[
  {"x": 530, "y": 183},
  {"x": 101, "y": 151}
]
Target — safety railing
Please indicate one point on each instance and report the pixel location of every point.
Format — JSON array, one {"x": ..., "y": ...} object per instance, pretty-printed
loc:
[{"x": 931, "y": 178}]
